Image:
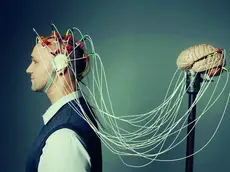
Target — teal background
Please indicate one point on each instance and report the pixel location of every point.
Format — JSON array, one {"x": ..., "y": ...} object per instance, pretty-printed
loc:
[{"x": 139, "y": 42}]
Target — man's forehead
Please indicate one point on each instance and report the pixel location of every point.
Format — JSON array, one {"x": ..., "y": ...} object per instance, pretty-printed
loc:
[
  {"x": 37, "y": 50},
  {"x": 34, "y": 51}
]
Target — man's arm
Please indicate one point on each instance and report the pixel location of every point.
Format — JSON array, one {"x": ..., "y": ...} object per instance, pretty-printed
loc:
[{"x": 64, "y": 152}]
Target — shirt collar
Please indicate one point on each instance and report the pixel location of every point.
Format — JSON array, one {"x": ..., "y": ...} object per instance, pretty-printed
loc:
[{"x": 52, "y": 110}]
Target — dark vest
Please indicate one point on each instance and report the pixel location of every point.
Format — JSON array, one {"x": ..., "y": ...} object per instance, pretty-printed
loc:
[{"x": 66, "y": 117}]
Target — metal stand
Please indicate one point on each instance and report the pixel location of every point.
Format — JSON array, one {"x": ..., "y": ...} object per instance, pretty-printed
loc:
[{"x": 193, "y": 81}]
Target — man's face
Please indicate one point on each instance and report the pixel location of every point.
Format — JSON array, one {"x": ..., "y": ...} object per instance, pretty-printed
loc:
[{"x": 40, "y": 67}]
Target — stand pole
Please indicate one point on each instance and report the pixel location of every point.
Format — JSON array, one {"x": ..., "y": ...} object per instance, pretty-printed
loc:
[{"x": 193, "y": 81}]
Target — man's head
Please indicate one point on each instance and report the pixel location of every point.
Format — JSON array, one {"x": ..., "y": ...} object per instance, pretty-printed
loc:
[{"x": 41, "y": 67}]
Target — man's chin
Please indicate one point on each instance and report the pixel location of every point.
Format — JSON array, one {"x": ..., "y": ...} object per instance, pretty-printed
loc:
[{"x": 35, "y": 89}]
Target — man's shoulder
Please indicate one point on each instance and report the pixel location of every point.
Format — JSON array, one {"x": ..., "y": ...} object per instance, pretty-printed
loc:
[{"x": 63, "y": 134}]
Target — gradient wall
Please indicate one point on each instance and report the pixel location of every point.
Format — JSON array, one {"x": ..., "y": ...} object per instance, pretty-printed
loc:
[{"x": 139, "y": 42}]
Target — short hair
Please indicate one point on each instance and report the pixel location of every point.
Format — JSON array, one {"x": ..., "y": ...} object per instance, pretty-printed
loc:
[{"x": 78, "y": 64}]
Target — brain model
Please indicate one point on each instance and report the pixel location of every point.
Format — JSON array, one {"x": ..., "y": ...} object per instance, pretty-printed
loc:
[{"x": 200, "y": 58}]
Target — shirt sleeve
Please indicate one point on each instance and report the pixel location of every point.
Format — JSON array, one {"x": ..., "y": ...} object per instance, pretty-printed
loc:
[{"x": 64, "y": 152}]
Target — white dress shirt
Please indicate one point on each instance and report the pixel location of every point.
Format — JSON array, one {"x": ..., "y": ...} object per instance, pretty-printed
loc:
[{"x": 63, "y": 152}]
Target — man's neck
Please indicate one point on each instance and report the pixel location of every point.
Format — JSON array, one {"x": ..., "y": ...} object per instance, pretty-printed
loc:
[
  {"x": 56, "y": 94},
  {"x": 62, "y": 88}
]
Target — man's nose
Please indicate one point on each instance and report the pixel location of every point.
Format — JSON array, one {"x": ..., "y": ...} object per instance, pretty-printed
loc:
[{"x": 28, "y": 70}]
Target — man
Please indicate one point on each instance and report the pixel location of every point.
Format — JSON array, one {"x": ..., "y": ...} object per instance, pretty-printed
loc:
[{"x": 66, "y": 143}]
